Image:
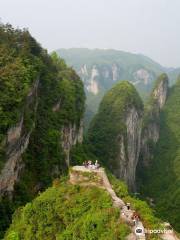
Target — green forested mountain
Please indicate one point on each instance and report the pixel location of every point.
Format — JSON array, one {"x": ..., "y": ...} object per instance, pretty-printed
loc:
[
  {"x": 143, "y": 144},
  {"x": 161, "y": 180},
  {"x": 109, "y": 122},
  {"x": 113, "y": 132},
  {"x": 101, "y": 69},
  {"x": 41, "y": 111},
  {"x": 42, "y": 103}
]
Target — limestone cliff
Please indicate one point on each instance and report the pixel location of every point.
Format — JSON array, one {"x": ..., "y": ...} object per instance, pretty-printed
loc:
[
  {"x": 160, "y": 178},
  {"x": 16, "y": 142},
  {"x": 41, "y": 107},
  {"x": 115, "y": 132},
  {"x": 151, "y": 128},
  {"x": 129, "y": 147},
  {"x": 123, "y": 134},
  {"x": 100, "y": 77},
  {"x": 70, "y": 136}
]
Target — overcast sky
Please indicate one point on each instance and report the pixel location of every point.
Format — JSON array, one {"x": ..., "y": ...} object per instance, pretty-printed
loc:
[{"x": 150, "y": 27}]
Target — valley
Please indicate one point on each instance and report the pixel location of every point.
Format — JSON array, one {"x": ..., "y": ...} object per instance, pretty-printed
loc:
[{"x": 100, "y": 69}]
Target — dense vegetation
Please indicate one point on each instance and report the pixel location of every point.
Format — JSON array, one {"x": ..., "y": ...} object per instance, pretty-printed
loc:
[
  {"x": 128, "y": 65},
  {"x": 45, "y": 152},
  {"x": 146, "y": 214},
  {"x": 162, "y": 179},
  {"x": 67, "y": 212},
  {"x": 19, "y": 68},
  {"x": 151, "y": 108},
  {"x": 109, "y": 122},
  {"x": 23, "y": 63}
]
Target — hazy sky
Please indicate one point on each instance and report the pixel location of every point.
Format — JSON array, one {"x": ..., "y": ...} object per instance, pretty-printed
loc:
[{"x": 150, "y": 27}]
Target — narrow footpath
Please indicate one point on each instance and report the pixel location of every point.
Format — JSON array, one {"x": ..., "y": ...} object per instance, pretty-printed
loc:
[{"x": 125, "y": 214}]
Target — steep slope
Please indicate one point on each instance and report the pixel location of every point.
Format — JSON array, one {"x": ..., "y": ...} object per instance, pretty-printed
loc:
[
  {"x": 116, "y": 129},
  {"x": 161, "y": 179},
  {"x": 41, "y": 111},
  {"x": 84, "y": 210},
  {"x": 72, "y": 212},
  {"x": 142, "y": 147},
  {"x": 151, "y": 120},
  {"x": 101, "y": 69}
]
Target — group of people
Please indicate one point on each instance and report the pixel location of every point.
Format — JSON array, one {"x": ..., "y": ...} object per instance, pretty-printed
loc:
[
  {"x": 89, "y": 164},
  {"x": 135, "y": 216}
]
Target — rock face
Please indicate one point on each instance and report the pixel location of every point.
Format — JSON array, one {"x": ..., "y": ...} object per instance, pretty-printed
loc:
[
  {"x": 161, "y": 178},
  {"x": 112, "y": 66},
  {"x": 92, "y": 85},
  {"x": 70, "y": 136},
  {"x": 160, "y": 92},
  {"x": 100, "y": 77},
  {"x": 18, "y": 137},
  {"x": 123, "y": 133},
  {"x": 151, "y": 129},
  {"x": 142, "y": 76},
  {"x": 116, "y": 131},
  {"x": 17, "y": 141},
  {"x": 115, "y": 72},
  {"x": 129, "y": 147}
]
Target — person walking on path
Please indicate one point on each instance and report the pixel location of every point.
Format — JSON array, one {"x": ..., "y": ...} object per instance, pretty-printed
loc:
[{"x": 128, "y": 206}]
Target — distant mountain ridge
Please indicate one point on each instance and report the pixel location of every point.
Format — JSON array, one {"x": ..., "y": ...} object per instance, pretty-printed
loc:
[{"x": 100, "y": 69}]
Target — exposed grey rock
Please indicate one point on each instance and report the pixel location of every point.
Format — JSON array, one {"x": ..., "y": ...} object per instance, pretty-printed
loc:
[
  {"x": 83, "y": 71},
  {"x": 16, "y": 143},
  {"x": 92, "y": 84},
  {"x": 160, "y": 93},
  {"x": 142, "y": 76},
  {"x": 10, "y": 172},
  {"x": 71, "y": 134},
  {"x": 151, "y": 130},
  {"x": 115, "y": 72},
  {"x": 129, "y": 147}
]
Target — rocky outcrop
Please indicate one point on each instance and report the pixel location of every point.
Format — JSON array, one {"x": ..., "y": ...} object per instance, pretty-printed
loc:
[
  {"x": 142, "y": 76},
  {"x": 16, "y": 142},
  {"x": 115, "y": 132},
  {"x": 129, "y": 147},
  {"x": 71, "y": 134},
  {"x": 93, "y": 87},
  {"x": 83, "y": 71},
  {"x": 92, "y": 84},
  {"x": 102, "y": 76},
  {"x": 115, "y": 72},
  {"x": 139, "y": 137},
  {"x": 160, "y": 92},
  {"x": 151, "y": 129}
]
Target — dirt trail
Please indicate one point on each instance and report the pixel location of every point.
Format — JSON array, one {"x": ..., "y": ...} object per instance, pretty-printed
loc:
[
  {"x": 117, "y": 202},
  {"x": 125, "y": 214}
]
